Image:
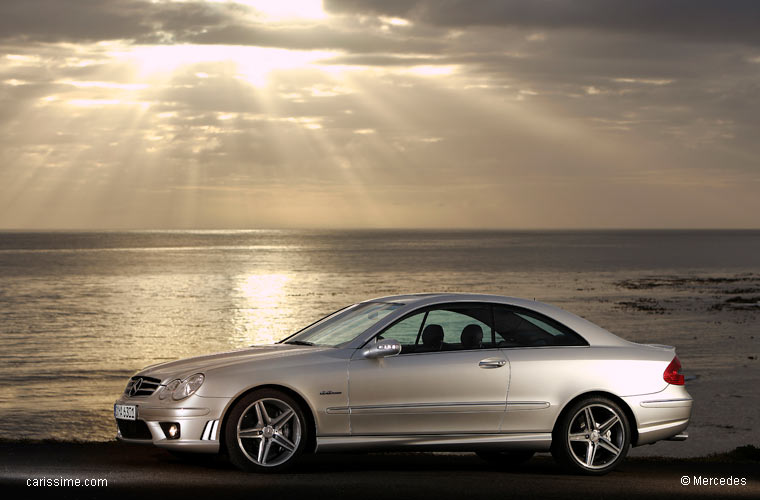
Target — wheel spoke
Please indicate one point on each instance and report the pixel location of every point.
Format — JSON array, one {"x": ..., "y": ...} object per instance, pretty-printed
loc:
[
  {"x": 250, "y": 433},
  {"x": 590, "y": 454},
  {"x": 580, "y": 436},
  {"x": 609, "y": 423},
  {"x": 261, "y": 413},
  {"x": 284, "y": 442},
  {"x": 280, "y": 420},
  {"x": 607, "y": 445},
  {"x": 590, "y": 424},
  {"x": 264, "y": 450}
]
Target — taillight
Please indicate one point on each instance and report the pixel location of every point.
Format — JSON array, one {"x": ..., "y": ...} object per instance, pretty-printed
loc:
[{"x": 671, "y": 374}]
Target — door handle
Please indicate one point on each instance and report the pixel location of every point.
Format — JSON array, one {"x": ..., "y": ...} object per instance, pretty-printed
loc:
[{"x": 492, "y": 363}]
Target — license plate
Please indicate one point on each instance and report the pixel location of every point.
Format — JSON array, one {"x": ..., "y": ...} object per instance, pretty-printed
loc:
[{"x": 125, "y": 412}]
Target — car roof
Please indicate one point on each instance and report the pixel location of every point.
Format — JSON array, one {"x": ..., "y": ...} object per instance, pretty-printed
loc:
[
  {"x": 418, "y": 299},
  {"x": 593, "y": 333}
]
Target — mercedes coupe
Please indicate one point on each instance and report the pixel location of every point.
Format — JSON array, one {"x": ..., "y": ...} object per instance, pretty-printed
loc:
[{"x": 499, "y": 376}]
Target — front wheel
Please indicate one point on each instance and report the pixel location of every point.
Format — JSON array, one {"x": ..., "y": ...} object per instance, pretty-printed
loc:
[
  {"x": 266, "y": 432},
  {"x": 592, "y": 437}
]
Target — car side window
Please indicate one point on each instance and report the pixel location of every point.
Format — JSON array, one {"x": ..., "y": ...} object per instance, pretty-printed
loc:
[
  {"x": 405, "y": 331},
  {"x": 449, "y": 327},
  {"x": 516, "y": 327},
  {"x": 461, "y": 327}
]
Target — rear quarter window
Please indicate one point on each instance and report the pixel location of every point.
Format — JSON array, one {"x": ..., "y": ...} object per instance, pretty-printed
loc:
[{"x": 517, "y": 327}]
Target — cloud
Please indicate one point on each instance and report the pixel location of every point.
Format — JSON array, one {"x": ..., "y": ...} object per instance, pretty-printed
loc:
[
  {"x": 309, "y": 38},
  {"x": 194, "y": 22},
  {"x": 495, "y": 113},
  {"x": 730, "y": 20},
  {"x": 97, "y": 20}
]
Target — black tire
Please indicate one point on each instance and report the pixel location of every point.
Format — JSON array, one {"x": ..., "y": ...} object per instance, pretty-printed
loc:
[
  {"x": 506, "y": 458},
  {"x": 596, "y": 448},
  {"x": 268, "y": 418}
]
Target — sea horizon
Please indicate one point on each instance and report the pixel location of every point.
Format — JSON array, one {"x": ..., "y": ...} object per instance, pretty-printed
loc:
[
  {"x": 84, "y": 310},
  {"x": 380, "y": 228}
]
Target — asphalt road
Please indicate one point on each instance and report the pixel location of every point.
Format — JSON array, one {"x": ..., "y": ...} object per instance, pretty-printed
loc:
[{"x": 146, "y": 472}]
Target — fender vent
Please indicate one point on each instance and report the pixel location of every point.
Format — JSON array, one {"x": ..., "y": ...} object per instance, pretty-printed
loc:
[{"x": 209, "y": 431}]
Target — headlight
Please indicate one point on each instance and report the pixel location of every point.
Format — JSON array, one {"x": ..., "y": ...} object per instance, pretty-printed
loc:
[
  {"x": 170, "y": 387},
  {"x": 187, "y": 387}
]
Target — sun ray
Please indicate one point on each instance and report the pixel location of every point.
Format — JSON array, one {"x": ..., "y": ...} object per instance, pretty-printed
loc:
[{"x": 251, "y": 64}]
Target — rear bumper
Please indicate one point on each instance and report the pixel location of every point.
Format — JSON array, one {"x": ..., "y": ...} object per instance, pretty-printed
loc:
[
  {"x": 664, "y": 415},
  {"x": 679, "y": 437}
]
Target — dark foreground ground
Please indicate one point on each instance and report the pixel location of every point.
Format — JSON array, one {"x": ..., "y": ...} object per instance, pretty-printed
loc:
[{"x": 146, "y": 472}]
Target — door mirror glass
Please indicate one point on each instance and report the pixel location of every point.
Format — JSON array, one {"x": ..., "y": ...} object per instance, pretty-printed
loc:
[{"x": 383, "y": 348}]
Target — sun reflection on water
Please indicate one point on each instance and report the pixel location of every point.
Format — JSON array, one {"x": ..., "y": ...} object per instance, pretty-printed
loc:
[{"x": 260, "y": 309}]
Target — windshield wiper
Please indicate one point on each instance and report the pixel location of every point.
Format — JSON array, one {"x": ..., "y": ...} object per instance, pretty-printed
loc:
[{"x": 297, "y": 342}]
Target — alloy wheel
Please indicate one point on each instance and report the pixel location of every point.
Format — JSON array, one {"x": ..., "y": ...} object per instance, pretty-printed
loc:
[
  {"x": 269, "y": 432},
  {"x": 596, "y": 436}
]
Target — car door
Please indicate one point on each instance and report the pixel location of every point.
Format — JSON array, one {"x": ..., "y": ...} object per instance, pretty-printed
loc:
[
  {"x": 545, "y": 357},
  {"x": 432, "y": 388}
]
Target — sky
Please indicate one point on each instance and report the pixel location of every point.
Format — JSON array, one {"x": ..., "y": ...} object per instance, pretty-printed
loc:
[{"x": 525, "y": 114}]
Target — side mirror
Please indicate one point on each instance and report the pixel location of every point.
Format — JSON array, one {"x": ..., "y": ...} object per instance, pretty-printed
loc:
[{"x": 382, "y": 349}]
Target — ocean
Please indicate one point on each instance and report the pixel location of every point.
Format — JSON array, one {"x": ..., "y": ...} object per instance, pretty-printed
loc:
[{"x": 82, "y": 311}]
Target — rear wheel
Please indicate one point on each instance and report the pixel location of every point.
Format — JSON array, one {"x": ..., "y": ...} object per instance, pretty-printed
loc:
[
  {"x": 592, "y": 437},
  {"x": 266, "y": 431},
  {"x": 506, "y": 458}
]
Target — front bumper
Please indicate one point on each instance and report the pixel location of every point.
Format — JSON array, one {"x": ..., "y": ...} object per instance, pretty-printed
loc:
[{"x": 199, "y": 420}]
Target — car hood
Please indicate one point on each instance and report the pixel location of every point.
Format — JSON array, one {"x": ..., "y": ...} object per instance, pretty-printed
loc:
[{"x": 185, "y": 367}]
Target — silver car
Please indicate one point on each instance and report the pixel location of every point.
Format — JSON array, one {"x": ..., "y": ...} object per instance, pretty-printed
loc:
[{"x": 500, "y": 376}]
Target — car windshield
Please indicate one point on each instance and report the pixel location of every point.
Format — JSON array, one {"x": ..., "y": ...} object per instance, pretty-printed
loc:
[{"x": 344, "y": 325}]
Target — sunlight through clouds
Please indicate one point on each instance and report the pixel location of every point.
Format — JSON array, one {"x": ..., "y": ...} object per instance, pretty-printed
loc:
[
  {"x": 251, "y": 64},
  {"x": 253, "y": 113},
  {"x": 283, "y": 10}
]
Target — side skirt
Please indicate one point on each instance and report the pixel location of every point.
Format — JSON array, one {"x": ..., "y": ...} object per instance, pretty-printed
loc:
[{"x": 539, "y": 441}]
